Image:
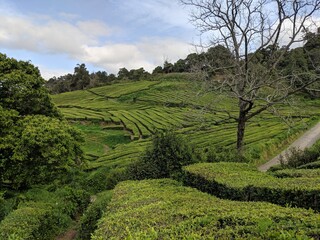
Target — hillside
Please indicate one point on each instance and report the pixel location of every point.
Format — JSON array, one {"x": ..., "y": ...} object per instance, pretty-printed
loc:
[
  {"x": 118, "y": 122},
  {"x": 141, "y": 108}
]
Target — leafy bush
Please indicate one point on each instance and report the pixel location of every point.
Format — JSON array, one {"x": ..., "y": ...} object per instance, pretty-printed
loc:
[
  {"x": 163, "y": 209},
  {"x": 6, "y": 205},
  {"x": 42, "y": 214},
  {"x": 31, "y": 221},
  {"x": 296, "y": 157},
  {"x": 312, "y": 165},
  {"x": 104, "y": 179},
  {"x": 41, "y": 150},
  {"x": 239, "y": 181},
  {"x": 74, "y": 200},
  {"x": 89, "y": 220},
  {"x": 297, "y": 173},
  {"x": 164, "y": 158}
]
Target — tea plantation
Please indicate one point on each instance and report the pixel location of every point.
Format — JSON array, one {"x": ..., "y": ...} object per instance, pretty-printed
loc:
[{"x": 101, "y": 201}]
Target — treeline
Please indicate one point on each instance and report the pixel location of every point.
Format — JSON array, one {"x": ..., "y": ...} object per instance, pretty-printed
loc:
[
  {"x": 217, "y": 60},
  {"x": 215, "y": 57}
]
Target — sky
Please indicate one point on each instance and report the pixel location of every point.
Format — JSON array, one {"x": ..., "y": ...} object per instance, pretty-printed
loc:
[{"x": 56, "y": 35}]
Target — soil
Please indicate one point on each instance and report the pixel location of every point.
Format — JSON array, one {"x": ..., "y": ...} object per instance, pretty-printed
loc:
[{"x": 68, "y": 235}]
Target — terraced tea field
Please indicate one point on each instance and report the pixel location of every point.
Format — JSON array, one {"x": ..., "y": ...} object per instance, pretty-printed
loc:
[
  {"x": 117, "y": 122},
  {"x": 141, "y": 108}
]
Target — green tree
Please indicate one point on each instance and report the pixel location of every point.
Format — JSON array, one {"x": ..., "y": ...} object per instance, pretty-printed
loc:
[
  {"x": 22, "y": 88},
  {"x": 123, "y": 73},
  {"x": 38, "y": 150},
  {"x": 157, "y": 70},
  {"x": 81, "y": 77},
  {"x": 36, "y": 145}
]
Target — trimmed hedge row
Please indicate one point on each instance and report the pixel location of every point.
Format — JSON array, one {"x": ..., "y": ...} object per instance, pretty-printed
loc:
[
  {"x": 240, "y": 181},
  {"x": 32, "y": 221},
  {"x": 42, "y": 214},
  {"x": 163, "y": 209},
  {"x": 296, "y": 173},
  {"x": 89, "y": 220}
]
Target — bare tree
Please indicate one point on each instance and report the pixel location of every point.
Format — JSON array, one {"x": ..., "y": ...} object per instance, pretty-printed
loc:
[{"x": 253, "y": 31}]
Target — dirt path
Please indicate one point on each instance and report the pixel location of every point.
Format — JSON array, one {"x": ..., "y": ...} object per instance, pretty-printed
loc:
[
  {"x": 305, "y": 141},
  {"x": 68, "y": 235}
]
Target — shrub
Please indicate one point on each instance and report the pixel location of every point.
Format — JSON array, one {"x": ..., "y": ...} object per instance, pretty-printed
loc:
[
  {"x": 6, "y": 205},
  {"x": 163, "y": 209},
  {"x": 104, "y": 179},
  {"x": 296, "y": 157},
  {"x": 239, "y": 181},
  {"x": 89, "y": 220},
  {"x": 31, "y": 221},
  {"x": 74, "y": 200},
  {"x": 164, "y": 158}
]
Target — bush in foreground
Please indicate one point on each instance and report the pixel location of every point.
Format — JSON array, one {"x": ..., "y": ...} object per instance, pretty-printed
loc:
[
  {"x": 163, "y": 209},
  {"x": 240, "y": 181},
  {"x": 164, "y": 158}
]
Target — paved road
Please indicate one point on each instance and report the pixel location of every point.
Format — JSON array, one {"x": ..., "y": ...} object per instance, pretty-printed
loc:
[{"x": 305, "y": 141}]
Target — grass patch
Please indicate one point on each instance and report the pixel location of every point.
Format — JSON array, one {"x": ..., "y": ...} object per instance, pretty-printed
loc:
[{"x": 98, "y": 140}]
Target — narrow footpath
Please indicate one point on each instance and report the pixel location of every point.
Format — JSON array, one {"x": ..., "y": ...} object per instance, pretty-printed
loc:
[{"x": 305, "y": 141}]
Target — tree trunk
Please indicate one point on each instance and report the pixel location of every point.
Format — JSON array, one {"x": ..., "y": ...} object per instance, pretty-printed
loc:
[{"x": 241, "y": 130}]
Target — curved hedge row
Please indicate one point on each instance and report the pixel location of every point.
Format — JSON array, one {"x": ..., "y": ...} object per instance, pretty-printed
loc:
[
  {"x": 240, "y": 181},
  {"x": 41, "y": 214},
  {"x": 163, "y": 209}
]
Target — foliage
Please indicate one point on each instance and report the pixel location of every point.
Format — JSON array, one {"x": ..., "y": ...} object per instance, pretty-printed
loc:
[
  {"x": 239, "y": 181},
  {"x": 172, "y": 102},
  {"x": 104, "y": 178},
  {"x": 89, "y": 219},
  {"x": 40, "y": 149},
  {"x": 21, "y": 88},
  {"x": 297, "y": 173},
  {"x": 163, "y": 209},
  {"x": 6, "y": 205},
  {"x": 164, "y": 158},
  {"x": 296, "y": 157},
  {"x": 42, "y": 214}
]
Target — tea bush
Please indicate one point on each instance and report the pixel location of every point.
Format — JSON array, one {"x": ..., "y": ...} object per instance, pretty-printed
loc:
[
  {"x": 163, "y": 209},
  {"x": 240, "y": 181}
]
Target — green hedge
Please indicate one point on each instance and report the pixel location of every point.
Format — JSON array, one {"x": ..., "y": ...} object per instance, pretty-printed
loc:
[
  {"x": 32, "y": 221},
  {"x": 296, "y": 173},
  {"x": 89, "y": 220},
  {"x": 163, "y": 209},
  {"x": 239, "y": 181},
  {"x": 42, "y": 214}
]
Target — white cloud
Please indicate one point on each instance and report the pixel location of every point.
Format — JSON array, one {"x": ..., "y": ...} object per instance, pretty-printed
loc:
[
  {"x": 85, "y": 41},
  {"x": 51, "y": 36},
  {"x": 148, "y": 53},
  {"x": 48, "y": 73}
]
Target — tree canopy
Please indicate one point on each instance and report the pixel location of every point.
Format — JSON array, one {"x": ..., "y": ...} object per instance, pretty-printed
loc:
[{"x": 36, "y": 145}]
